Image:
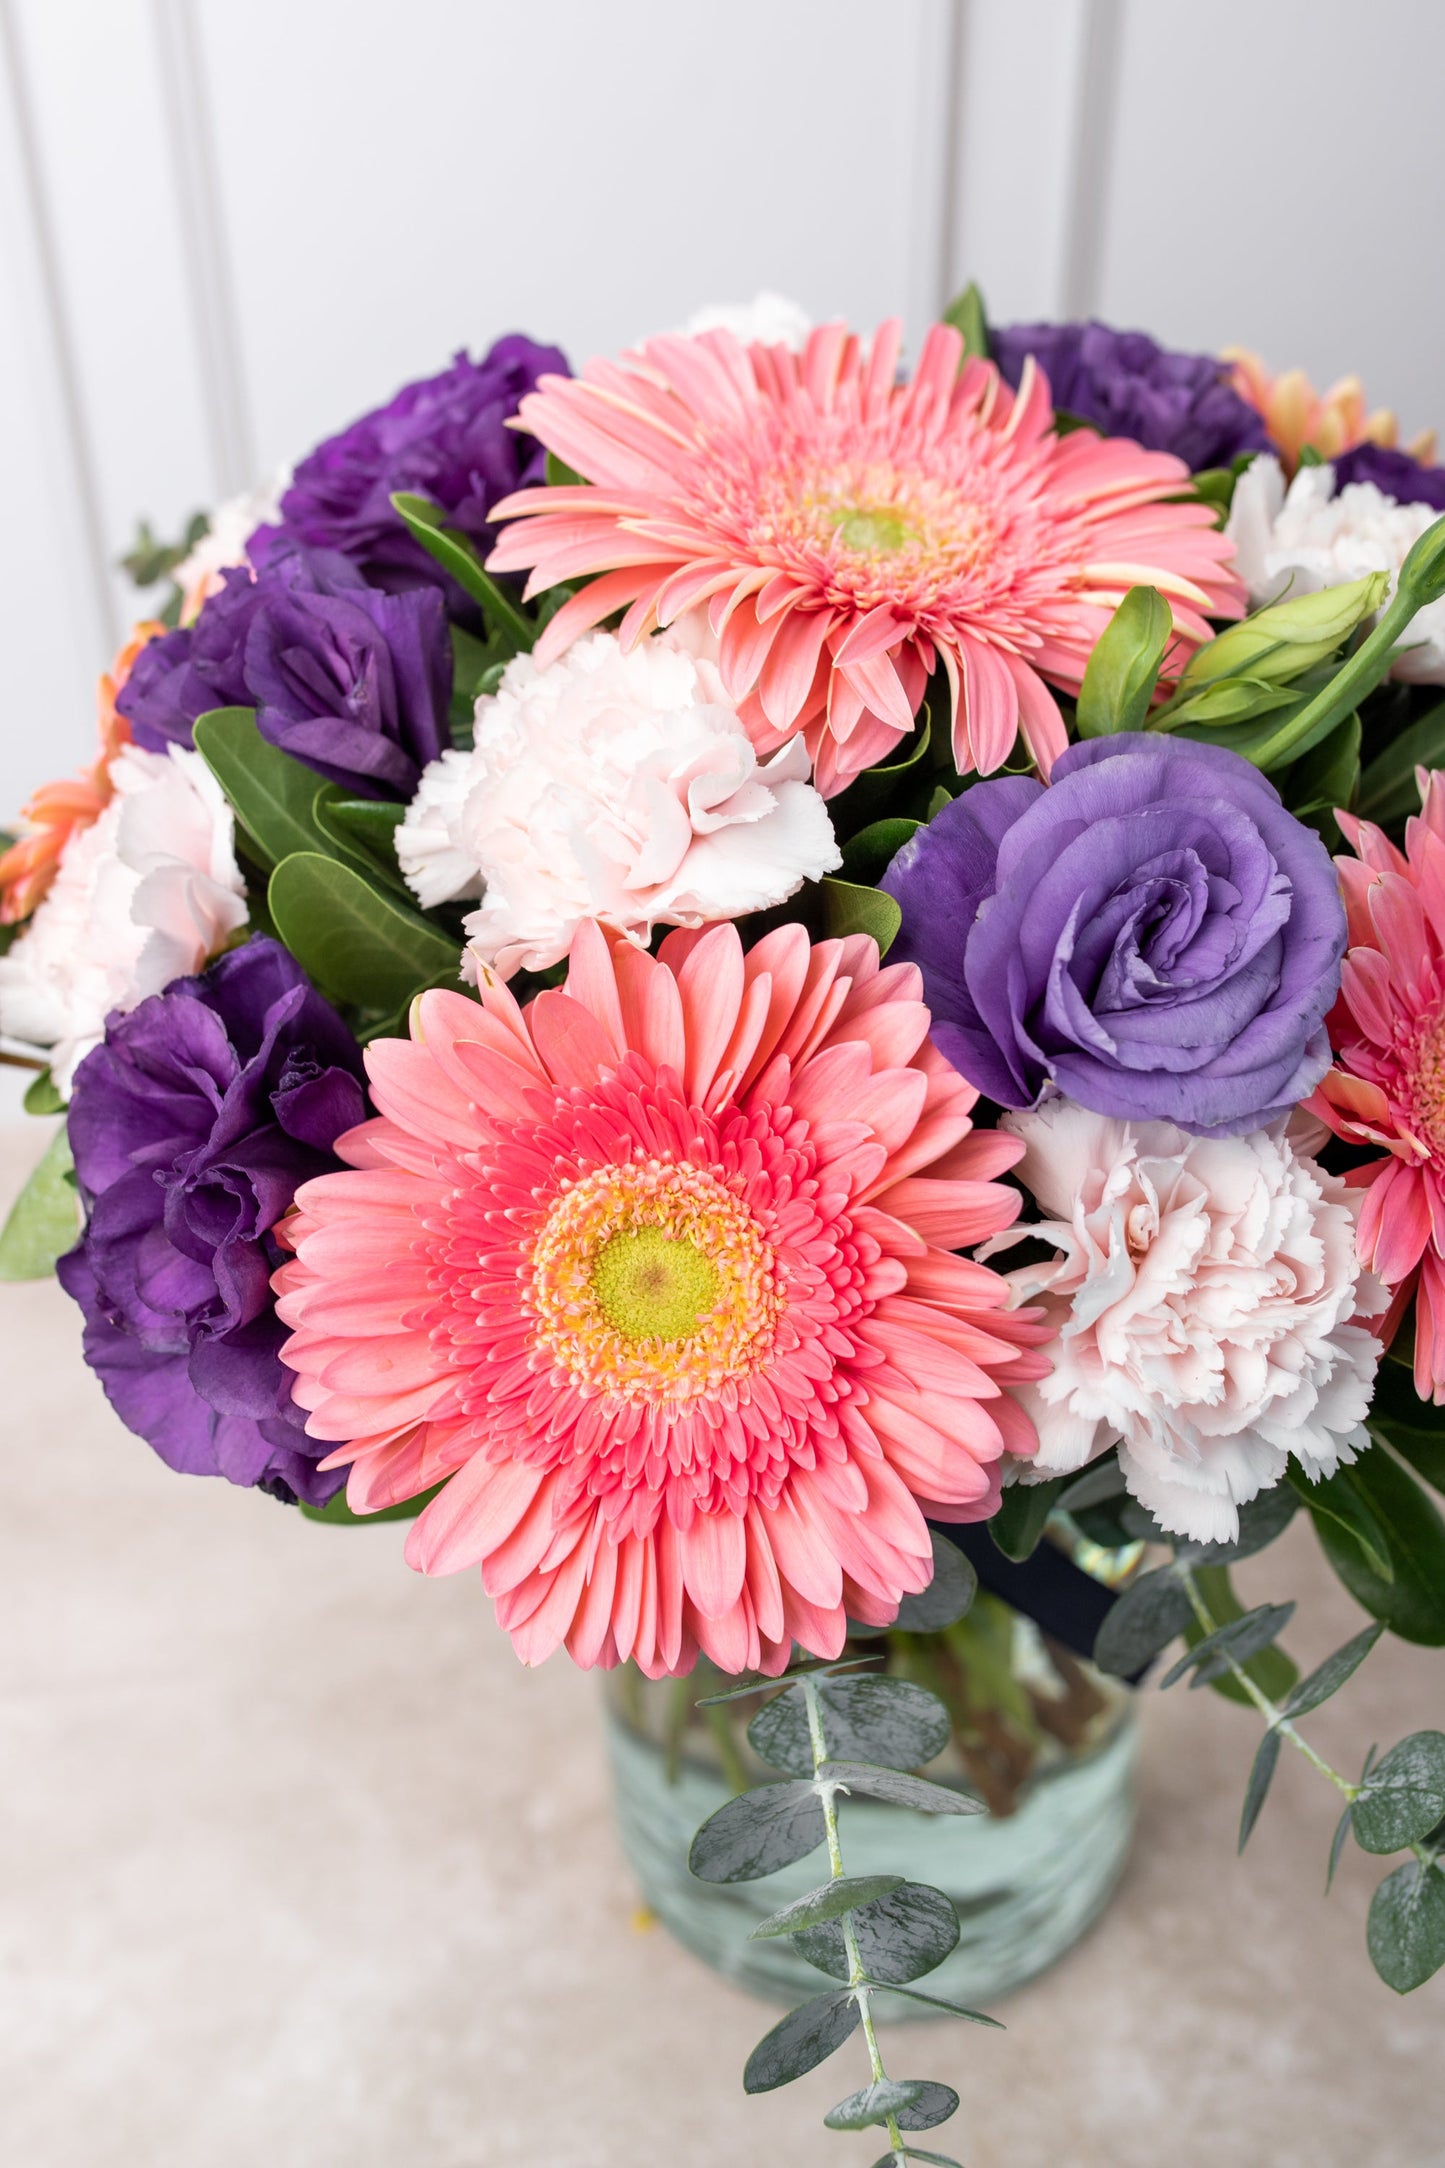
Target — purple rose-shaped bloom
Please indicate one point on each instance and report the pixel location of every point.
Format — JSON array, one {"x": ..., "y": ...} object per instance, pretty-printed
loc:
[
  {"x": 446, "y": 438},
  {"x": 193, "y": 1124},
  {"x": 351, "y": 681},
  {"x": 1126, "y": 385},
  {"x": 1395, "y": 473},
  {"x": 1152, "y": 935}
]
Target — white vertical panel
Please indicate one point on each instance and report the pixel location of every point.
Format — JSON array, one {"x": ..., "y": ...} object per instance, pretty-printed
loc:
[{"x": 399, "y": 182}]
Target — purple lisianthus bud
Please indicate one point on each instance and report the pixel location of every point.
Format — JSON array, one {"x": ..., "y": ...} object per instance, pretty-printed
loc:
[
  {"x": 193, "y": 1124},
  {"x": 445, "y": 437},
  {"x": 188, "y": 672},
  {"x": 1153, "y": 935},
  {"x": 1393, "y": 472},
  {"x": 1126, "y": 385}
]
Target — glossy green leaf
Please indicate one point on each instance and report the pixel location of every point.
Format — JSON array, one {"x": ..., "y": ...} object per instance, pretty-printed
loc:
[
  {"x": 363, "y": 832},
  {"x": 828, "y": 1902},
  {"x": 1331, "y": 1675},
  {"x": 757, "y": 1833},
  {"x": 862, "y": 1780},
  {"x": 1388, "y": 790},
  {"x": 1234, "y": 1642},
  {"x": 560, "y": 475},
  {"x": 1262, "y": 1521},
  {"x": 273, "y": 795},
  {"x": 948, "y": 1596},
  {"x": 336, "y": 1513},
  {"x": 427, "y": 523},
  {"x": 1150, "y": 1614},
  {"x": 1412, "y": 1602},
  {"x": 44, "y": 1221},
  {"x": 1123, "y": 669},
  {"x": 356, "y": 944},
  {"x": 1023, "y": 1511},
  {"x": 1260, "y": 1775},
  {"x": 1403, "y": 1796},
  {"x": 1406, "y": 1930},
  {"x": 1329, "y": 776},
  {"x": 873, "y": 1719},
  {"x": 1342, "y": 1505},
  {"x": 899, "y": 1937},
  {"x": 966, "y": 314},
  {"x": 868, "y": 855},
  {"x": 1414, "y": 1428},
  {"x": 913, "y": 2103},
  {"x": 850, "y": 909},
  {"x": 800, "y": 2041},
  {"x": 41, "y": 1096},
  {"x": 877, "y": 789}
]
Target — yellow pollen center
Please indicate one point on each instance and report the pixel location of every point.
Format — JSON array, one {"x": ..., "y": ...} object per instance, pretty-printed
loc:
[
  {"x": 652, "y": 1281},
  {"x": 1429, "y": 1082},
  {"x": 873, "y": 531}
]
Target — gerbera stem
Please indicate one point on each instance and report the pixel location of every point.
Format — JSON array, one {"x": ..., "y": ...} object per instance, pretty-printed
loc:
[{"x": 857, "y": 1977}]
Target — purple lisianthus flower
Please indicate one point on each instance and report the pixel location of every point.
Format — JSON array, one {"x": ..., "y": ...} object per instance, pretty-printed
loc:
[
  {"x": 354, "y": 682},
  {"x": 1393, "y": 472},
  {"x": 193, "y": 1124},
  {"x": 446, "y": 438},
  {"x": 1153, "y": 935},
  {"x": 1126, "y": 385}
]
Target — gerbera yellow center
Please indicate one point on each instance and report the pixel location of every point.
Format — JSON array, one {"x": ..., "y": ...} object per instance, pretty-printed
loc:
[
  {"x": 873, "y": 531},
  {"x": 1429, "y": 1082},
  {"x": 653, "y": 1281}
]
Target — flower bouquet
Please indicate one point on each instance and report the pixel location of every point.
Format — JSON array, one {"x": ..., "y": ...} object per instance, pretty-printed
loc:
[{"x": 880, "y": 1017}]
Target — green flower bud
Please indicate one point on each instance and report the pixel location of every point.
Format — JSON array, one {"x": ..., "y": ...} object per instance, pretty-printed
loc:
[
  {"x": 1123, "y": 670},
  {"x": 1422, "y": 575},
  {"x": 1290, "y": 637}
]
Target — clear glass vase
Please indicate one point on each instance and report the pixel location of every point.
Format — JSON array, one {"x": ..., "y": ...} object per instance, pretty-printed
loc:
[{"x": 1045, "y": 1738}]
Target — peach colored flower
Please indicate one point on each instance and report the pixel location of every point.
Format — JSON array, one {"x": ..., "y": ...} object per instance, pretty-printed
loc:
[
  {"x": 1330, "y": 422},
  {"x": 848, "y": 533},
  {"x": 656, "y": 1271}
]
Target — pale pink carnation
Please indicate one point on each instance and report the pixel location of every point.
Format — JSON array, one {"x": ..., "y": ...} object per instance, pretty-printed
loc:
[{"x": 1205, "y": 1299}]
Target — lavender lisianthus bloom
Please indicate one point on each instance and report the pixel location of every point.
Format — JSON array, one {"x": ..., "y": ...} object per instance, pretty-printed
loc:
[
  {"x": 1153, "y": 935},
  {"x": 193, "y": 1124},
  {"x": 1126, "y": 385},
  {"x": 445, "y": 437},
  {"x": 354, "y": 682},
  {"x": 1393, "y": 472}
]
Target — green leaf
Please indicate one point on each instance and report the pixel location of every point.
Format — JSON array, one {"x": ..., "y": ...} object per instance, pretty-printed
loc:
[
  {"x": 828, "y": 1902},
  {"x": 966, "y": 314},
  {"x": 913, "y": 2152},
  {"x": 761, "y": 1684},
  {"x": 1333, "y": 1672},
  {"x": 560, "y": 475},
  {"x": 44, "y": 1221},
  {"x": 936, "y": 2002},
  {"x": 357, "y": 945},
  {"x": 899, "y": 1937},
  {"x": 1337, "y": 1845},
  {"x": 363, "y": 832},
  {"x": 1414, "y": 1428},
  {"x": 1403, "y": 1796},
  {"x": 948, "y": 1596},
  {"x": 1388, "y": 790},
  {"x": 1327, "y": 777},
  {"x": 1406, "y": 1931},
  {"x": 870, "y": 853},
  {"x": 41, "y": 1096},
  {"x": 1261, "y": 1522},
  {"x": 1261, "y": 1772},
  {"x": 1123, "y": 670},
  {"x": 803, "y": 2039},
  {"x": 872, "y": 792},
  {"x": 1150, "y": 1614},
  {"x": 871, "y": 1719},
  {"x": 1412, "y": 1601},
  {"x": 1349, "y": 1511},
  {"x": 273, "y": 795},
  {"x": 850, "y": 909},
  {"x": 913, "y": 2103},
  {"x": 427, "y": 523},
  {"x": 867, "y": 1782},
  {"x": 1237, "y": 1640},
  {"x": 757, "y": 1833},
  {"x": 1271, "y": 1670},
  {"x": 1022, "y": 1512},
  {"x": 336, "y": 1513}
]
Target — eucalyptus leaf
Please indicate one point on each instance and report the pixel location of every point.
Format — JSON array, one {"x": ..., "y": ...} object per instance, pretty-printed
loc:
[
  {"x": 936, "y": 2002},
  {"x": 913, "y": 2152},
  {"x": 913, "y": 2103},
  {"x": 1406, "y": 1930},
  {"x": 757, "y": 1833},
  {"x": 761, "y": 1684},
  {"x": 803, "y": 2039},
  {"x": 847, "y": 908},
  {"x": 44, "y": 1221},
  {"x": 1023, "y": 1511},
  {"x": 1337, "y": 1845},
  {"x": 899, "y": 1937},
  {"x": 869, "y": 1719},
  {"x": 41, "y": 1096},
  {"x": 1145, "y": 1619},
  {"x": 1333, "y": 1672},
  {"x": 1123, "y": 668},
  {"x": 1260, "y": 1776},
  {"x": 864, "y": 1781},
  {"x": 1234, "y": 1642},
  {"x": 273, "y": 795},
  {"x": 1403, "y": 1796},
  {"x": 1262, "y": 1520},
  {"x": 828, "y": 1902},
  {"x": 1411, "y": 1602},
  {"x": 356, "y": 944},
  {"x": 427, "y": 523},
  {"x": 1270, "y": 1669},
  {"x": 948, "y": 1596},
  {"x": 1101, "y": 1480}
]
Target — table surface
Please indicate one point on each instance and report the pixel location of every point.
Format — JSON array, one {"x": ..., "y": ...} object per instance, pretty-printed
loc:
[{"x": 302, "y": 1868}]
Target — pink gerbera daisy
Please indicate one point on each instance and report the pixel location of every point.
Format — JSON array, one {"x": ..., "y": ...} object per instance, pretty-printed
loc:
[
  {"x": 849, "y": 532},
  {"x": 657, "y": 1272},
  {"x": 1388, "y": 1031}
]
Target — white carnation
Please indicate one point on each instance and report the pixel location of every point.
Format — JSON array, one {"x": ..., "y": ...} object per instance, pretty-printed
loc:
[
  {"x": 1306, "y": 538},
  {"x": 1205, "y": 1297},
  {"x": 768, "y": 319},
  {"x": 614, "y": 786},
  {"x": 224, "y": 542},
  {"x": 144, "y": 895}
]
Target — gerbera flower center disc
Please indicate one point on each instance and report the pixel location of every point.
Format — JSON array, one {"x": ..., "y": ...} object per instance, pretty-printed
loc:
[
  {"x": 653, "y": 1281},
  {"x": 1428, "y": 1081}
]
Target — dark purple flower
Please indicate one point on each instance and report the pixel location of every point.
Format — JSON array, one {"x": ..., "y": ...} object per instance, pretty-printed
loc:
[
  {"x": 1394, "y": 472},
  {"x": 193, "y": 1124},
  {"x": 446, "y": 438},
  {"x": 354, "y": 682},
  {"x": 1126, "y": 385},
  {"x": 1152, "y": 935}
]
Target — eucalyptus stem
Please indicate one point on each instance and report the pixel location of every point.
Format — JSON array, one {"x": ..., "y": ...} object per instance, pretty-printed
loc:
[{"x": 857, "y": 1978}]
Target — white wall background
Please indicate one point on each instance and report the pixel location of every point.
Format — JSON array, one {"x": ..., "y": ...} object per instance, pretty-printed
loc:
[{"x": 226, "y": 226}]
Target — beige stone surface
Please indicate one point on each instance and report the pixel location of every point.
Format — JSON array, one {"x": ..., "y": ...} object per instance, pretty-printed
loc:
[{"x": 300, "y": 1868}]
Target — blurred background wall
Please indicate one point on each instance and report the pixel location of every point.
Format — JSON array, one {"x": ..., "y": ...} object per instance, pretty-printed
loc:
[{"x": 226, "y": 228}]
